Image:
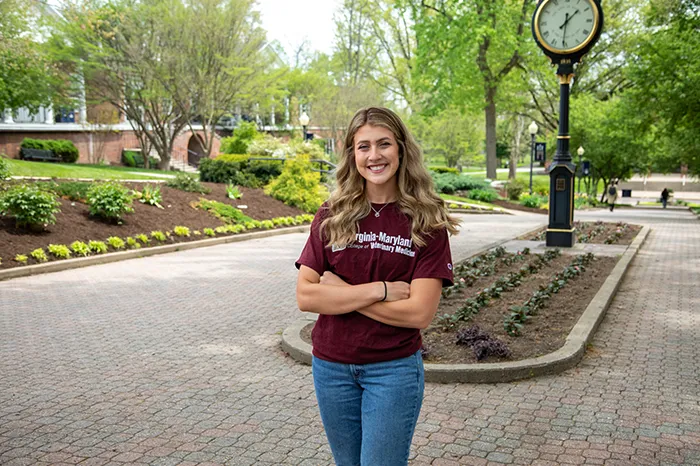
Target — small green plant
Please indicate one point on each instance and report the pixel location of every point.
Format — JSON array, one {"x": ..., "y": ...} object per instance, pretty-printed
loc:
[
  {"x": 116, "y": 242},
  {"x": 484, "y": 195},
  {"x": 197, "y": 233},
  {"x": 109, "y": 200},
  {"x": 221, "y": 230},
  {"x": 80, "y": 248},
  {"x": 158, "y": 236},
  {"x": 232, "y": 192},
  {"x": 533, "y": 200},
  {"x": 39, "y": 255},
  {"x": 71, "y": 190},
  {"x": 224, "y": 212},
  {"x": 98, "y": 247},
  {"x": 132, "y": 243},
  {"x": 209, "y": 232},
  {"x": 59, "y": 251},
  {"x": 21, "y": 258},
  {"x": 143, "y": 238},
  {"x": 30, "y": 206},
  {"x": 150, "y": 195},
  {"x": 181, "y": 231},
  {"x": 298, "y": 185},
  {"x": 187, "y": 183},
  {"x": 4, "y": 169},
  {"x": 267, "y": 225},
  {"x": 514, "y": 189}
]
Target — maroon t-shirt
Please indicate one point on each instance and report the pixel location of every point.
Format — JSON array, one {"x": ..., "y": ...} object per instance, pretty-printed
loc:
[{"x": 383, "y": 250}]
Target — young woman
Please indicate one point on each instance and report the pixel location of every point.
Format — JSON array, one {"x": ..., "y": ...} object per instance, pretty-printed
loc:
[{"x": 373, "y": 268}]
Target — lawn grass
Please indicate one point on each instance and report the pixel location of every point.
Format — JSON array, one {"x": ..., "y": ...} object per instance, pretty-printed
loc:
[
  {"x": 71, "y": 170},
  {"x": 449, "y": 197}
]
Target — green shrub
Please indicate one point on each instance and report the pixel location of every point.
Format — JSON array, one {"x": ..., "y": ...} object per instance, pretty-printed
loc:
[
  {"x": 514, "y": 189},
  {"x": 449, "y": 183},
  {"x": 135, "y": 159},
  {"x": 541, "y": 187},
  {"x": 30, "y": 206},
  {"x": 264, "y": 171},
  {"x": 181, "y": 231},
  {"x": 80, "y": 248},
  {"x": 39, "y": 255},
  {"x": 187, "y": 183},
  {"x": 484, "y": 195},
  {"x": 441, "y": 169},
  {"x": 4, "y": 169},
  {"x": 150, "y": 195},
  {"x": 243, "y": 135},
  {"x": 267, "y": 225},
  {"x": 132, "y": 243},
  {"x": 116, "y": 242},
  {"x": 298, "y": 185},
  {"x": 224, "y": 212},
  {"x": 98, "y": 247},
  {"x": 71, "y": 190},
  {"x": 232, "y": 192},
  {"x": 59, "y": 251},
  {"x": 158, "y": 236},
  {"x": 109, "y": 200},
  {"x": 209, "y": 232},
  {"x": 61, "y": 147},
  {"x": 533, "y": 200},
  {"x": 21, "y": 258}
]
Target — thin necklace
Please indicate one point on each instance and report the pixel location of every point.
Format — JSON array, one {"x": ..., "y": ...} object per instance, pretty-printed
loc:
[{"x": 376, "y": 212}]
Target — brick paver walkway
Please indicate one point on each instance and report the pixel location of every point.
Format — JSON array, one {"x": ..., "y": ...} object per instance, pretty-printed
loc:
[{"x": 175, "y": 360}]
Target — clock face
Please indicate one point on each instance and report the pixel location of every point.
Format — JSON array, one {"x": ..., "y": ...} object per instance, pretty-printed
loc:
[{"x": 565, "y": 26}]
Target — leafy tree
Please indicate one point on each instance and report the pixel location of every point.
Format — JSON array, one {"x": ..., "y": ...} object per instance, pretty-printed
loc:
[
  {"x": 610, "y": 133},
  {"x": 666, "y": 73},
  {"x": 465, "y": 52},
  {"x": 450, "y": 135},
  {"x": 29, "y": 76}
]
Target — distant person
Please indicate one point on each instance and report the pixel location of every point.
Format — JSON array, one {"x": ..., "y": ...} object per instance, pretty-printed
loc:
[
  {"x": 612, "y": 195},
  {"x": 664, "y": 197}
]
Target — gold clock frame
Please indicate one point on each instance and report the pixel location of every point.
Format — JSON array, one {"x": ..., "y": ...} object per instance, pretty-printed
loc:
[{"x": 591, "y": 35}]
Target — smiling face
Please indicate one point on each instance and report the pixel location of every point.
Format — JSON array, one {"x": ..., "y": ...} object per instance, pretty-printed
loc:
[{"x": 377, "y": 160}]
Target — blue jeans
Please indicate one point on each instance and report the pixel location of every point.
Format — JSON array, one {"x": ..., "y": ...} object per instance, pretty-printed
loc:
[{"x": 369, "y": 411}]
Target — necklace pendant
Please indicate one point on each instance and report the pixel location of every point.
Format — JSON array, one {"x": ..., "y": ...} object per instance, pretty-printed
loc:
[{"x": 376, "y": 214}]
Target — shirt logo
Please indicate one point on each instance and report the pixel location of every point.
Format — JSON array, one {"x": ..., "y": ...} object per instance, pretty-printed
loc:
[
  {"x": 449, "y": 266},
  {"x": 335, "y": 248}
]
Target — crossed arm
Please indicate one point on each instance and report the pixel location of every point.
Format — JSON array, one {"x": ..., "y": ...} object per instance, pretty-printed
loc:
[{"x": 407, "y": 305}]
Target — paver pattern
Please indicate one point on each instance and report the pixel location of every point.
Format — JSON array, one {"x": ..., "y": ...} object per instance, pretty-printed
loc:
[{"x": 175, "y": 359}]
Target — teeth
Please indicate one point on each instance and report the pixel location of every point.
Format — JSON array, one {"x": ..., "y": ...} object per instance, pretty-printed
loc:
[{"x": 376, "y": 168}]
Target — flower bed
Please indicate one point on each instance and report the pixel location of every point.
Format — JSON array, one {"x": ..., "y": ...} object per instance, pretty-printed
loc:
[
  {"x": 143, "y": 227},
  {"x": 595, "y": 233}
]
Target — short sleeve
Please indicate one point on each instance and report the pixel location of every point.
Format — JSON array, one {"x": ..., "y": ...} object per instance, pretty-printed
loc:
[
  {"x": 314, "y": 254},
  {"x": 435, "y": 259}
]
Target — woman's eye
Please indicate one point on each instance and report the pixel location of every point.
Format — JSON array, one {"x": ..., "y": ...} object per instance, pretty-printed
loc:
[
  {"x": 362, "y": 147},
  {"x": 385, "y": 144}
]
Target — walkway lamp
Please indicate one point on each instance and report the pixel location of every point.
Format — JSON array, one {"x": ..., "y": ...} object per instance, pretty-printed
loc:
[
  {"x": 533, "y": 132},
  {"x": 580, "y": 152},
  {"x": 304, "y": 120}
]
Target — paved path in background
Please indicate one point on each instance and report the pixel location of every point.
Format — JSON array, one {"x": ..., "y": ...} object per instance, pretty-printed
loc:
[{"x": 175, "y": 359}]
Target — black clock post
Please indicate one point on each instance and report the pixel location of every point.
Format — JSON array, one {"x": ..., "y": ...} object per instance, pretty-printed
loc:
[
  {"x": 562, "y": 171},
  {"x": 584, "y": 21}
]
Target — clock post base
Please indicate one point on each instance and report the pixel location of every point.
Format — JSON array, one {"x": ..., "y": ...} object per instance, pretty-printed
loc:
[{"x": 561, "y": 239}]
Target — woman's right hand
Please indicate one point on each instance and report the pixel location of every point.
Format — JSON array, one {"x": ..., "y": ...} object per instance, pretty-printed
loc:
[{"x": 396, "y": 291}]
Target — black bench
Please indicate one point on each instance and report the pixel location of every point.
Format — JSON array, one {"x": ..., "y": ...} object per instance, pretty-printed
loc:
[{"x": 38, "y": 154}]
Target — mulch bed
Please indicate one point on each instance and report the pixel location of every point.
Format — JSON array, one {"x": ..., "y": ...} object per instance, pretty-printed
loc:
[
  {"x": 603, "y": 230},
  {"x": 542, "y": 334},
  {"x": 74, "y": 222}
]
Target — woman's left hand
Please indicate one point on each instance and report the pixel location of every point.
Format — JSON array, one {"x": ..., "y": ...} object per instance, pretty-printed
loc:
[{"x": 329, "y": 278}]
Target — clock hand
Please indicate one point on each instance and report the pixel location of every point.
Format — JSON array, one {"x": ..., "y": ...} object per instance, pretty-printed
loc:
[{"x": 567, "y": 19}]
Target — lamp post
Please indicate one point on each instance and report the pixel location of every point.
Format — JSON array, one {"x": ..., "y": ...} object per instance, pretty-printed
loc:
[
  {"x": 580, "y": 152},
  {"x": 533, "y": 132},
  {"x": 304, "y": 120}
]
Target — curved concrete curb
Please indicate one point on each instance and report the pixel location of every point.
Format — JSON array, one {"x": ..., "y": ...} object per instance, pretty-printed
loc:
[
  {"x": 558, "y": 361},
  {"x": 479, "y": 212},
  {"x": 68, "y": 264}
]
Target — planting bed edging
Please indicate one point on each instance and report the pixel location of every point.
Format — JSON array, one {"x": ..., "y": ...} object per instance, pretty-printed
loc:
[
  {"x": 68, "y": 264},
  {"x": 560, "y": 360}
]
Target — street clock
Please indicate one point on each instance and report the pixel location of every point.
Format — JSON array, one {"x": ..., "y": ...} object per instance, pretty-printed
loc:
[{"x": 567, "y": 29}]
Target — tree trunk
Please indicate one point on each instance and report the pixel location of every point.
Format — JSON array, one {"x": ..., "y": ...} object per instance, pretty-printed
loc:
[
  {"x": 515, "y": 151},
  {"x": 490, "y": 111}
]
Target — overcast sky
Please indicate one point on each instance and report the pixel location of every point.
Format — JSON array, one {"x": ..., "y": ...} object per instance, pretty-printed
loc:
[{"x": 292, "y": 21}]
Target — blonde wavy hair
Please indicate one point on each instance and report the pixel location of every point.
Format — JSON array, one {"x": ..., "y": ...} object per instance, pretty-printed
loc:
[{"x": 416, "y": 195}]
